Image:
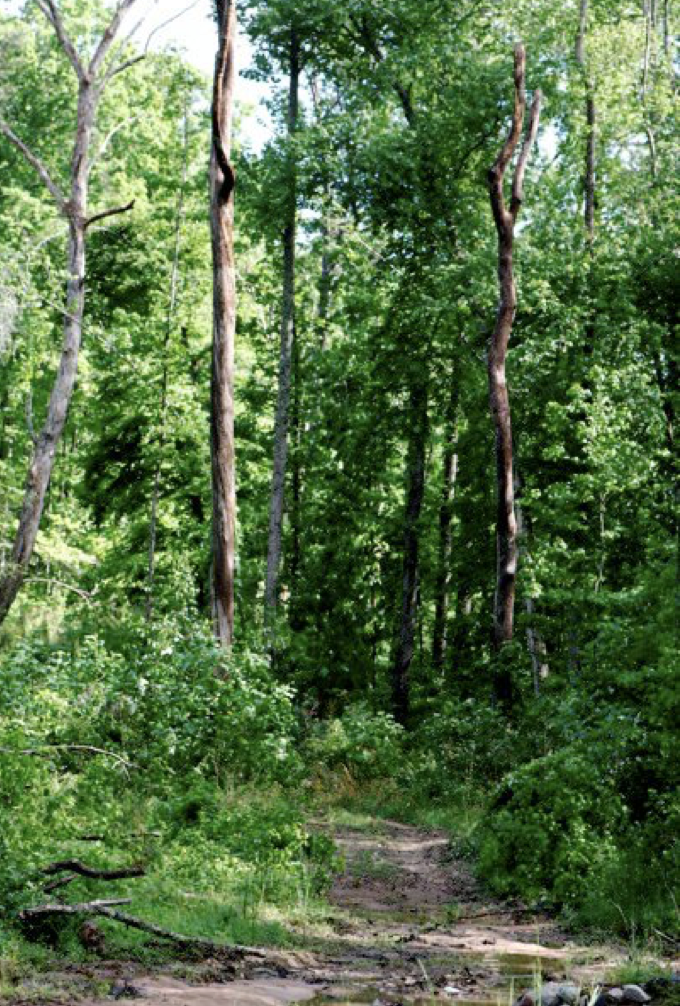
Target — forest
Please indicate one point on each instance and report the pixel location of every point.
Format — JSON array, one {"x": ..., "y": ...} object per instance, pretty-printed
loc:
[{"x": 338, "y": 503}]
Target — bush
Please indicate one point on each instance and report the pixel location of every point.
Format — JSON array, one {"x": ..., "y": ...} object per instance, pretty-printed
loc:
[
  {"x": 552, "y": 828},
  {"x": 459, "y": 745},
  {"x": 367, "y": 743}
]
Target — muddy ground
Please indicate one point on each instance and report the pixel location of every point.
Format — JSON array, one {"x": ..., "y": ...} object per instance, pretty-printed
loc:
[{"x": 408, "y": 924}]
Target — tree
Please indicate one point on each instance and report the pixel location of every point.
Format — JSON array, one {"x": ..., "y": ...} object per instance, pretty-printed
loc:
[
  {"x": 505, "y": 220},
  {"x": 92, "y": 77},
  {"x": 222, "y": 184},
  {"x": 282, "y": 420}
]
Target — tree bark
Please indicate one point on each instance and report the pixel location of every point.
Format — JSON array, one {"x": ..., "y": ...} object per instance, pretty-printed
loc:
[
  {"x": 165, "y": 379},
  {"x": 222, "y": 184},
  {"x": 418, "y": 414},
  {"x": 281, "y": 424},
  {"x": 591, "y": 125},
  {"x": 505, "y": 219},
  {"x": 91, "y": 82},
  {"x": 450, "y": 475}
]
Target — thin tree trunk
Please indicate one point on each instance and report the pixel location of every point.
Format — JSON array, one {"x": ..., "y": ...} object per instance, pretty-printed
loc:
[
  {"x": 169, "y": 321},
  {"x": 505, "y": 219},
  {"x": 450, "y": 475},
  {"x": 589, "y": 182},
  {"x": 222, "y": 183},
  {"x": 418, "y": 416},
  {"x": 92, "y": 79},
  {"x": 277, "y": 500},
  {"x": 535, "y": 643}
]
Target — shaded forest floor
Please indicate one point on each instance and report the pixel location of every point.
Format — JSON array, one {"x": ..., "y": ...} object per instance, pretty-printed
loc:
[{"x": 405, "y": 923}]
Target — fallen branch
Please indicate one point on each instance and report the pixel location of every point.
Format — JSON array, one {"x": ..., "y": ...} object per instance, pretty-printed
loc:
[
  {"x": 501, "y": 911},
  {"x": 49, "y": 748},
  {"x": 81, "y": 869},
  {"x": 103, "y": 908},
  {"x": 84, "y": 908},
  {"x": 54, "y": 885}
]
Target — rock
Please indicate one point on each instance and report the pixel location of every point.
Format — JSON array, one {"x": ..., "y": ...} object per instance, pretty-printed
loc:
[
  {"x": 125, "y": 991},
  {"x": 557, "y": 994},
  {"x": 615, "y": 995},
  {"x": 634, "y": 994},
  {"x": 451, "y": 990}
]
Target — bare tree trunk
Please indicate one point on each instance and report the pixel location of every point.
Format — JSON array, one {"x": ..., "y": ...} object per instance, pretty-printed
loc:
[
  {"x": 591, "y": 124},
  {"x": 92, "y": 79},
  {"x": 277, "y": 501},
  {"x": 222, "y": 183},
  {"x": 450, "y": 475},
  {"x": 505, "y": 219},
  {"x": 535, "y": 642},
  {"x": 169, "y": 321},
  {"x": 418, "y": 416}
]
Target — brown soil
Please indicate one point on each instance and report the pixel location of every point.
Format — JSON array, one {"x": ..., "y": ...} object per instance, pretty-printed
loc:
[{"x": 408, "y": 923}]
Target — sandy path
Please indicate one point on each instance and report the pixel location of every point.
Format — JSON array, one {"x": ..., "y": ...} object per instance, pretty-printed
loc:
[{"x": 408, "y": 924}]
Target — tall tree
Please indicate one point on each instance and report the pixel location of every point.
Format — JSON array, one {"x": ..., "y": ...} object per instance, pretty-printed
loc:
[
  {"x": 282, "y": 420},
  {"x": 222, "y": 184},
  {"x": 505, "y": 219},
  {"x": 92, "y": 77},
  {"x": 591, "y": 120}
]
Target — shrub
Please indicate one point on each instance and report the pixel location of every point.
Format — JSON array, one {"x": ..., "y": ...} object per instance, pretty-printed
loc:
[
  {"x": 368, "y": 744},
  {"x": 552, "y": 828}
]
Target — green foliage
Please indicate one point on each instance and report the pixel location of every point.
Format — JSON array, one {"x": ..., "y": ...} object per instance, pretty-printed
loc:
[
  {"x": 552, "y": 828},
  {"x": 367, "y": 744}
]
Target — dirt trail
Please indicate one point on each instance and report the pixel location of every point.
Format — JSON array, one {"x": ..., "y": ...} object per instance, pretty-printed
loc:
[{"x": 408, "y": 923}]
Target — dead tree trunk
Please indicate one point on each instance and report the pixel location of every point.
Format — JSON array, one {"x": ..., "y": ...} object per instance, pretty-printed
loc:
[
  {"x": 277, "y": 500},
  {"x": 505, "y": 219},
  {"x": 92, "y": 79},
  {"x": 222, "y": 183},
  {"x": 450, "y": 475}
]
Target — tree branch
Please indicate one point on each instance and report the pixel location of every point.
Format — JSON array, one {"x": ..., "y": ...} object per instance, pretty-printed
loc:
[
  {"x": 102, "y": 908},
  {"x": 51, "y": 12},
  {"x": 59, "y": 583},
  {"x": 91, "y": 872},
  {"x": 108, "y": 37},
  {"x": 497, "y": 172},
  {"x": 114, "y": 211},
  {"x": 529, "y": 140},
  {"x": 142, "y": 56},
  {"x": 37, "y": 165},
  {"x": 48, "y": 749}
]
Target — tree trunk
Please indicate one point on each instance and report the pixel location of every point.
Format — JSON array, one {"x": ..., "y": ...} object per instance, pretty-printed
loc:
[
  {"x": 169, "y": 321},
  {"x": 418, "y": 416},
  {"x": 222, "y": 183},
  {"x": 47, "y": 443},
  {"x": 92, "y": 80},
  {"x": 505, "y": 219},
  {"x": 281, "y": 424},
  {"x": 591, "y": 125},
  {"x": 450, "y": 475}
]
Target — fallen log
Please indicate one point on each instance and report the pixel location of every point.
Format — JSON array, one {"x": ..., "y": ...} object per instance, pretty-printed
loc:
[
  {"x": 76, "y": 866},
  {"x": 104, "y": 908}
]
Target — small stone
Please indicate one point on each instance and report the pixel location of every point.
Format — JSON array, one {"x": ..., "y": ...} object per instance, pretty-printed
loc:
[
  {"x": 634, "y": 994},
  {"x": 451, "y": 990}
]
